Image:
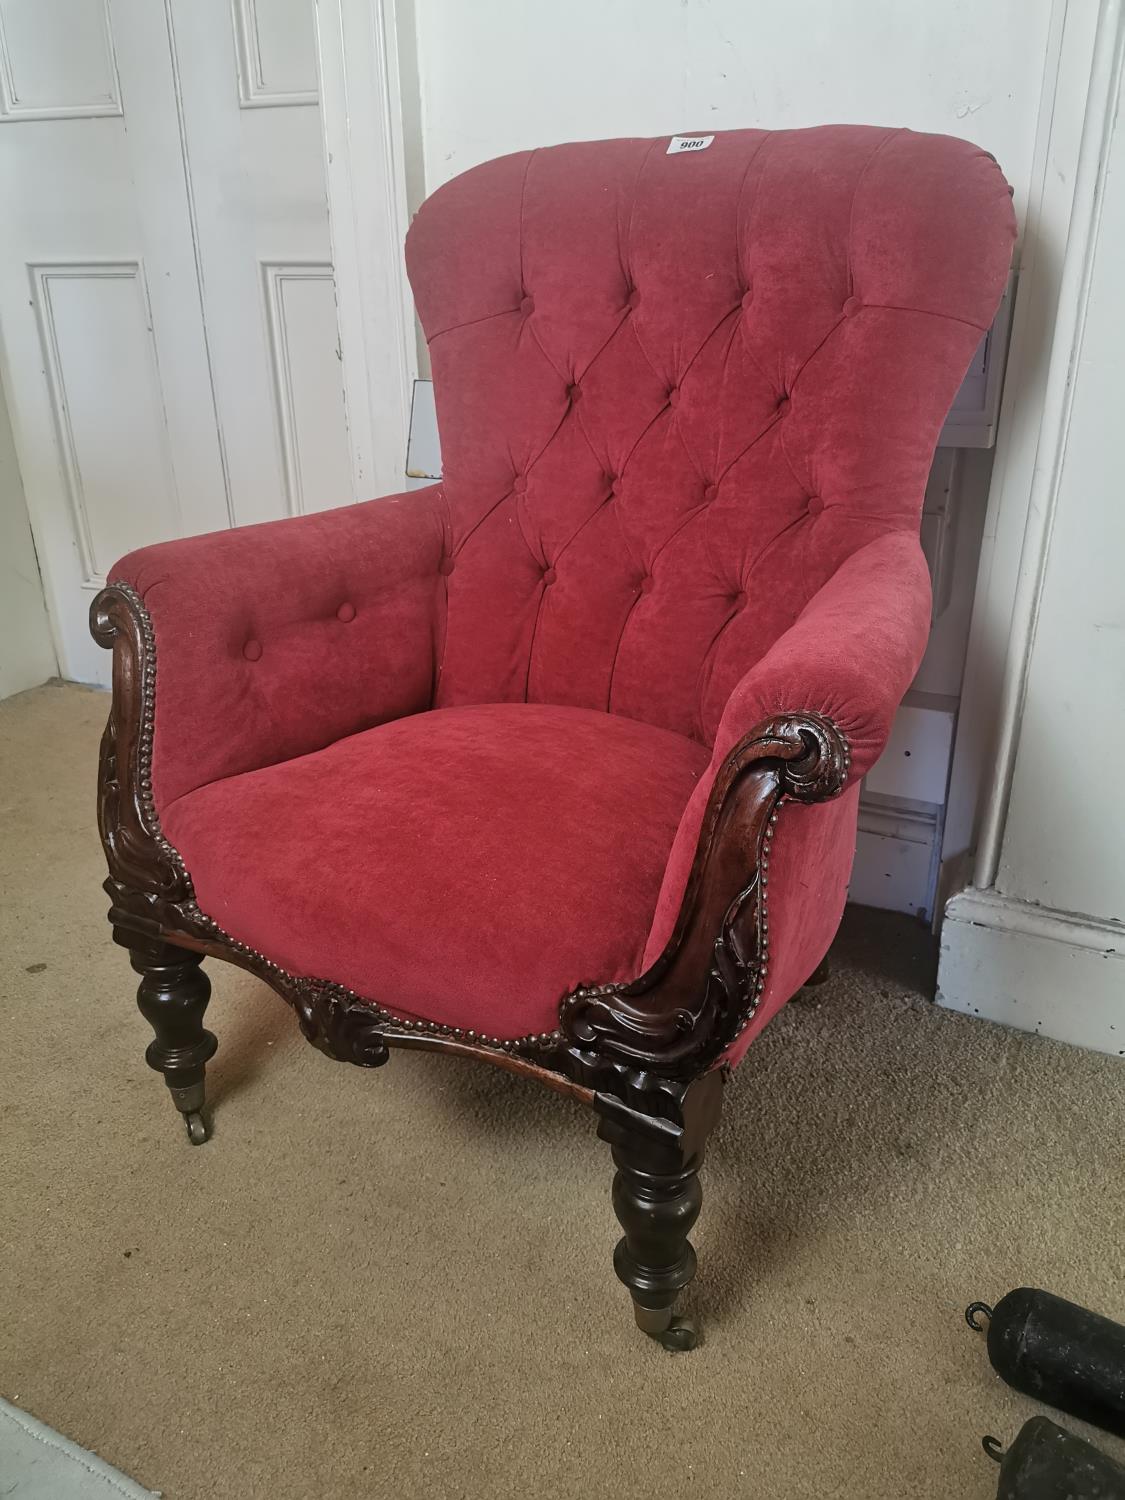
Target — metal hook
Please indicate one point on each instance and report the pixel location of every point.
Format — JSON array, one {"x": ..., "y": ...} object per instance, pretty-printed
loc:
[
  {"x": 992, "y": 1447},
  {"x": 971, "y": 1315}
]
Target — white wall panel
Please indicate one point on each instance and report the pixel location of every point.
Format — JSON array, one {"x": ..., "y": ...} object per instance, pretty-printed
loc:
[
  {"x": 56, "y": 60},
  {"x": 276, "y": 52},
  {"x": 915, "y": 761},
  {"x": 161, "y": 382},
  {"x": 100, "y": 357},
  {"x": 895, "y": 857},
  {"x": 105, "y": 363},
  {"x": 308, "y": 385},
  {"x": 258, "y": 201}
]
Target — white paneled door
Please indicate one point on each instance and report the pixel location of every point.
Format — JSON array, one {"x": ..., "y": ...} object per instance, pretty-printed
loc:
[{"x": 167, "y": 308}]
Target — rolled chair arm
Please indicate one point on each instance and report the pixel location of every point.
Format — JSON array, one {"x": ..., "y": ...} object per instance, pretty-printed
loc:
[
  {"x": 269, "y": 642},
  {"x": 751, "y": 900},
  {"x": 850, "y": 655}
]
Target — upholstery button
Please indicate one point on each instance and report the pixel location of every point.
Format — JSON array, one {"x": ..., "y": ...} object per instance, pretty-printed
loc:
[
  {"x": 646, "y": 584},
  {"x": 527, "y": 306},
  {"x": 616, "y": 489},
  {"x": 816, "y": 505},
  {"x": 445, "y": 567},
  {"x": 851, "y": 307},
  {"x": 710, "y": 493},
  {"x": 519, "y": 484},
  {"x": 739, "y": 600},
  {"x": 549, "y": 576},
  {"x": 252, "y": 650},
  {"x": 748, "y": 298},
  {"x": 634, "y": 298},
  {"x": 346, "y": 612},
  {"x": 573, "y": 393},
  {"x": 782, "y": 405},
  {"x": 674, "y": 396}
]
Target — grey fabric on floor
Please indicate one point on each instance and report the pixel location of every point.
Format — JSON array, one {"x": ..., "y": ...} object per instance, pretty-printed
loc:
[
  {"x": 38, "y": 1464},
  {"x": 398, "y": 1283}
]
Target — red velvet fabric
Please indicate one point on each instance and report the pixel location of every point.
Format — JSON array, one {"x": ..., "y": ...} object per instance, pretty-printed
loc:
[
  {"x": 276, "y": 640},
  {"x": 686, "y": 388},
  {"x": 688, "y": 406},
  {"x": 468, "y": 865},
  {"x": 852, "y": 666}
]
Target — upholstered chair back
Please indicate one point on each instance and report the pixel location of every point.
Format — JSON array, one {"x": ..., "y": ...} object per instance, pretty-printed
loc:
[{"x": 675, "y": 391}]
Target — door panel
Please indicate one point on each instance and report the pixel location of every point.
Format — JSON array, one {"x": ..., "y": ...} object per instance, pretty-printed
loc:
[
  {"x": 56, "y": 60},
  {"x": 90, "y": 317},
  {"x": 252, "y": 131},
  {"x": 105, "y": 362},
  {"x": 276, "y": 42},
  {"x": 167, "y": 309},
  {"x": 308, "y": 384}
]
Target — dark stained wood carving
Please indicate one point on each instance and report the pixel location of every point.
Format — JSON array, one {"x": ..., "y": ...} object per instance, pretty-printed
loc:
[
  {"x": 139, "y": 856},
  {"x": 704, "y": 989},
  {"x": 637, "y": 1043}
]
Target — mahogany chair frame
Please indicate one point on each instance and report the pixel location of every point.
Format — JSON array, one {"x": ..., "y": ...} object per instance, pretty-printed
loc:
[{"x": 646, "y": 1056}]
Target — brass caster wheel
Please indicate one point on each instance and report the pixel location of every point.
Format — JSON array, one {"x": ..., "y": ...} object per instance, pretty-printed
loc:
[
  {"x": 197, "y": 1131},
  {"x": 680, "y": 1334}
]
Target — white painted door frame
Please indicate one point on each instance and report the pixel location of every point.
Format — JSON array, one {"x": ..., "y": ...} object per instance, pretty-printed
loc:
[
  {"x": 362, "y": 113},
  {"x": 1071, "y": 95},
  {"x": 1005, "y": 958},
  {"x": 1074, "y": 291}
]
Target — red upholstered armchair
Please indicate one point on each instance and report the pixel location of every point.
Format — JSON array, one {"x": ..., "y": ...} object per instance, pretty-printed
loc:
[{"x": 555, "y": 764}]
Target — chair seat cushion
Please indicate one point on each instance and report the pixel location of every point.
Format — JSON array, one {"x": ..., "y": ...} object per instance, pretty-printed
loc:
[{"x": 467, "y": 865}]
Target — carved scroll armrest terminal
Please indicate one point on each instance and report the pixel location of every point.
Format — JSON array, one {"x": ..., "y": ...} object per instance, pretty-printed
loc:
[{"x": 704, "y": 988}]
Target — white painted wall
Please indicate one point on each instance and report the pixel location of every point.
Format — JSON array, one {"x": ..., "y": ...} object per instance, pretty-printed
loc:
[
  {"x": 27, "y": 655},
  {"x": 508, "y": 74}
]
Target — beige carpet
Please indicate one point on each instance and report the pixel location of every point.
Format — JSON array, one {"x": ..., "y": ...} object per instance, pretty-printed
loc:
[{"x": 398, "y": 1283}]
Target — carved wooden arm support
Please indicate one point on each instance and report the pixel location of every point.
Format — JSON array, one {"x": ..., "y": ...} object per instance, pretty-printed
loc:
[
  {"x": 140, "y": 858},
  {"x": 821, "y": 702},
  {"x": 702, "y": 991},
  {"x": 148, "y": 885}
]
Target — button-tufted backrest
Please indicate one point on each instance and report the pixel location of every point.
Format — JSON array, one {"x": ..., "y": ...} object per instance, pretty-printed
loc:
[{"x": 674, "y": 392}]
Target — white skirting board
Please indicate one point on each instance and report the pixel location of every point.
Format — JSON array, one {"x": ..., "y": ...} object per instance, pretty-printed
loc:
[{"x": 1056, "y": 973}]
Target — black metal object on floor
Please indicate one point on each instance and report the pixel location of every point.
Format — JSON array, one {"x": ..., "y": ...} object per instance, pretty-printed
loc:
[
  {"x": 1048, "y": 1463},
  {"x": 1058, "y": 1353}
]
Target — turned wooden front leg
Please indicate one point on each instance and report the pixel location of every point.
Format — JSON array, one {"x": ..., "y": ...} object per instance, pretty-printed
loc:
[
  {"x": 655, "y": 1259},
  {"x": 657, "y": 1197},
  {"x": 172, "y": 997}
]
